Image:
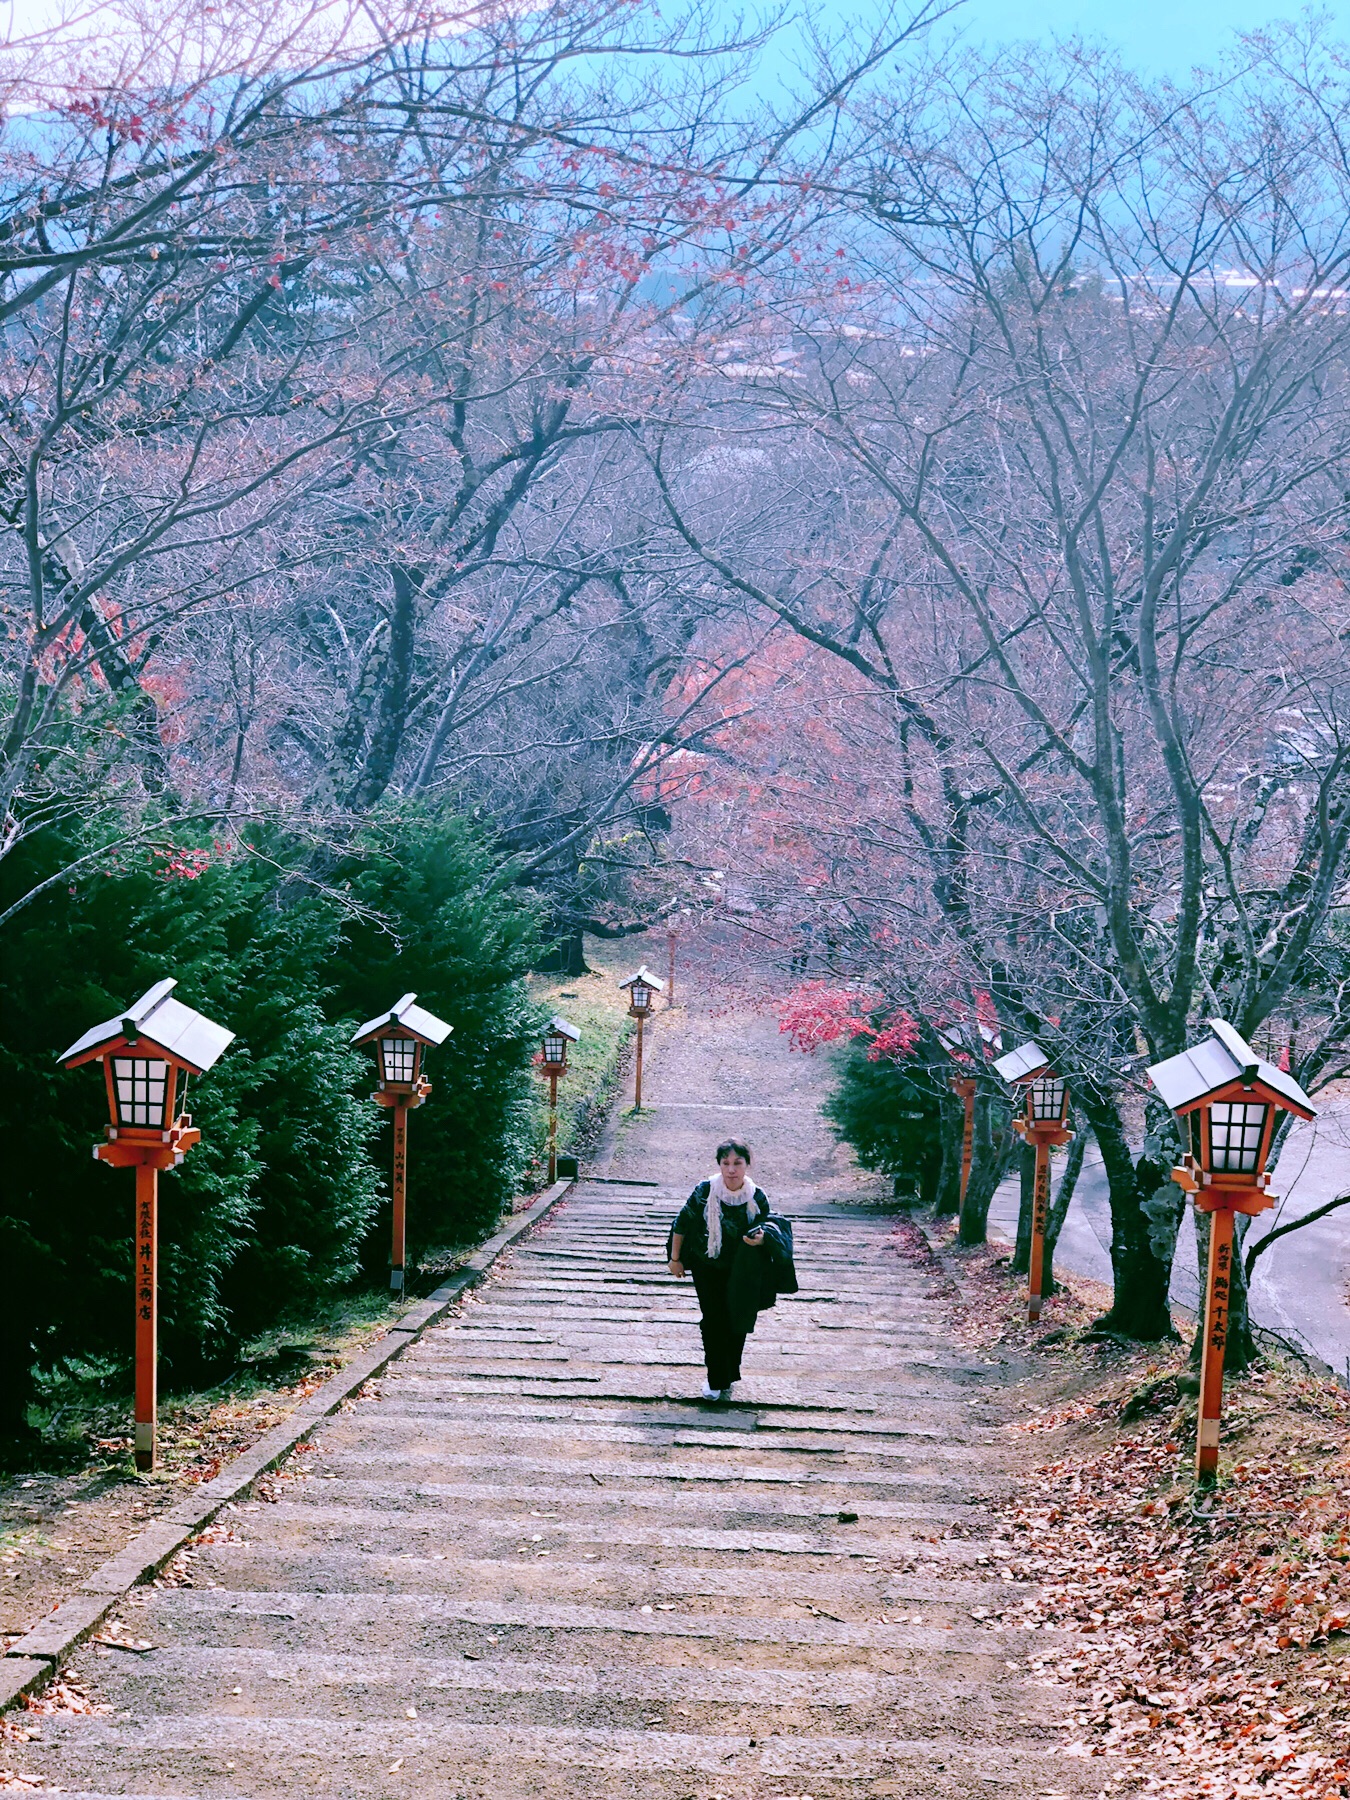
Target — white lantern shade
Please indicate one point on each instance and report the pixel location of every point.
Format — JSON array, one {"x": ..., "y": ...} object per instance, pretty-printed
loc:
[
  {"x": 1236, "y": 1128},
  {"x": 400, "y": 1058},
  {"x": 1048, "y": 1099},
  {"x": 143, "y": 1090}
]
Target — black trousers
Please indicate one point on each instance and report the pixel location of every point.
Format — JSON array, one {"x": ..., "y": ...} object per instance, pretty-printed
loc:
[{"x": 722, "y": 1344}]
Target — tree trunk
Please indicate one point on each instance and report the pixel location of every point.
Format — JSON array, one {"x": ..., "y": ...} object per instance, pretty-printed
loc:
[
  {"x": 1144, "y": 1221},
  {"x": 1026, "y": 1199},
  {"x": 394, "y": 699},
  {"x": 567, "y": 955},
  {"x": 993, "y": 1142},
  {"x": 930, "y": 1172},
  {"x": 1059, "y": 1207},
  {"x": 947, "y": 1200}
]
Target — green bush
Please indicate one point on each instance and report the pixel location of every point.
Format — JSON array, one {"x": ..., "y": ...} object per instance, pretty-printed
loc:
[
  {"x": 280, "y": 1205},
  {"x": 266, "y": 1211},
  {"x": 447, "y": 932},
  {"x": 887, "y": 1111}
]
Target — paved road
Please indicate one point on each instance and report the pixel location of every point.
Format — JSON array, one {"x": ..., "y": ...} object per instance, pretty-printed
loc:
[
  {"x": 1302, "y": 1282},
  {"x": 531, "y": 1565}
]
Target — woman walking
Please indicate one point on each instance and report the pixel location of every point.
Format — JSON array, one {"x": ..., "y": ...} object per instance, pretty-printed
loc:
[{"x": 717, "y": 1218}]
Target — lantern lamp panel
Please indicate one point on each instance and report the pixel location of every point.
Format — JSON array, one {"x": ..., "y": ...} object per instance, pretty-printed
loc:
[
  {"x": 1235, "y": 1131},
  {"x": 555, "y": 1049},
  {"x": 1047, "y": 1099},
  {"x": 398, "y": 1059},
  {"x": 142, "y": 1088}
]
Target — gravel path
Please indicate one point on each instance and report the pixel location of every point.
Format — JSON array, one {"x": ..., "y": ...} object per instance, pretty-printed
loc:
[{"x": 531, "y": 1564}]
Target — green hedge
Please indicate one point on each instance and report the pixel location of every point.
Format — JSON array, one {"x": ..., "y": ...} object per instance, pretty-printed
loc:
[{"x": 282, "y": 1203}]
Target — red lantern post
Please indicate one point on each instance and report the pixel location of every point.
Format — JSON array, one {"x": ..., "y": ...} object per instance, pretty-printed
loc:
[
  {"x": 558, "y": 1034},
  {"x": 963, "y": 1086},
  {"x": 1043, "y": 1125},
  {"x": 398, "y": 1038},
  {"x": 147, "y": 1057},
  {"x": 1229, "y": 1100},
  {"x": 642, "y": 990}
]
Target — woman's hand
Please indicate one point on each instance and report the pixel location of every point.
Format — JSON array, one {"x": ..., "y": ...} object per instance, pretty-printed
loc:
[
  {"x": 754, "y": 1238},
  {"x": 676, "y": 1267}
]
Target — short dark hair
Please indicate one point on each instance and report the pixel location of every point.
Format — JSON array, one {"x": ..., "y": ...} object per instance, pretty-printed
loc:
[{"x": 733, "y": 1147}]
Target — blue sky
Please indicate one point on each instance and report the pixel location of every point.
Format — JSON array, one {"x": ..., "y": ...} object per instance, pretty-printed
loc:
[
  {"x": 1156, "y": 36},
  {"x": 1160, "y": 37}
]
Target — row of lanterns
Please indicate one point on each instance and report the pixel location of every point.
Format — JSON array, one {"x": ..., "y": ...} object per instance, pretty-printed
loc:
[
  {"x": 153, "y": 1050},
  {"x": 1228, "y": 1100},
  {"x": 150, "y": 1054}
]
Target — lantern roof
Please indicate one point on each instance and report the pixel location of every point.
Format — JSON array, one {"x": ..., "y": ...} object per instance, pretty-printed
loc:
[
  {"x": 560, "y": 1027},
  {"x": 156, "y": 1022},
  {"x": 407, "y": 1018},
  {"x": 644, "y": 975},
  {"x": 1215, "y": 1063},
  {"x": 1023, "y": 1063}
]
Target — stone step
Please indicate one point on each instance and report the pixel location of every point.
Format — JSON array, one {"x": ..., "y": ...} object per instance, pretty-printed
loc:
[
  {"x": 841, "y": 1481},
  {"x": 384, "y": 1618},
  {"x": 339, "y": 1509},
  {"x": 861, "y": 1422},
  {"x": 778, "y": 1440},
  {"x": 728, "y": 1696},
  {"x": 548, "y": 1569},
  {"x": 325, "y": 1756},
  {"x": 678, "y": 1504}
]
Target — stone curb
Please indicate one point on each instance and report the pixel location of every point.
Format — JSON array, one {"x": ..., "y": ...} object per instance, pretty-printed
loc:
[
  {"x": 21, "y": 1677},
  {"x": 33, "y": 1659}
]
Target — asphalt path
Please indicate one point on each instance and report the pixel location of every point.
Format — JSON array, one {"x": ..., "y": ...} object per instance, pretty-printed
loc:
[{"x": 1301, "y": 1283}]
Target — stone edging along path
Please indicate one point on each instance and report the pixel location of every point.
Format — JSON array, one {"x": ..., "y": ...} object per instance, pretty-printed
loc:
[{"x": 32, "y": 1660}]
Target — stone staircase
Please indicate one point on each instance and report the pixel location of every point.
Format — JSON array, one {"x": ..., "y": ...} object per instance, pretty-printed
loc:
[{"x": 529, "y": 1563}]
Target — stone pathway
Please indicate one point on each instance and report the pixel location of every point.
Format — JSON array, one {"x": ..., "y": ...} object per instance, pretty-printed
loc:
[{"x": 531, "y": 1564}]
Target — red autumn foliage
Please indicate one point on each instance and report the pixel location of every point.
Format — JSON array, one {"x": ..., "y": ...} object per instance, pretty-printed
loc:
[{"x": 815, "y": 1014}]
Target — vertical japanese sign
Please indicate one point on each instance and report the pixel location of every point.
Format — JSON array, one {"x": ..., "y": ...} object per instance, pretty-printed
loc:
[
  {"x": 1218, "y": 1294},
  {"x": 400, "y": 1195},
  {"x": 146, "y": 1289}
]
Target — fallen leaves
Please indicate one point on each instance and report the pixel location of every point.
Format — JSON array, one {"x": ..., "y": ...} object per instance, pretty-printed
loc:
[{"x": 1199, "y": 1632}]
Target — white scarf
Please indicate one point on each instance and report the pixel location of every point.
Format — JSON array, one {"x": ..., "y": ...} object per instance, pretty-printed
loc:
[{"x": 720, "y": 1195}]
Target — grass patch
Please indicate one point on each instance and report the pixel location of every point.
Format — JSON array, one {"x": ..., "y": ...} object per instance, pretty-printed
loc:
[{"x": 595, "y": 1004}]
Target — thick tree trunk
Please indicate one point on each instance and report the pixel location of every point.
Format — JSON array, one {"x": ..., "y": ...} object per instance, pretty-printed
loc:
[
  {"x": 394, "y": 698},
  {"x": 567, "y": 956},
  {"x": 1144, "y": 1221},
  {"x": 930, "y": 1173}
]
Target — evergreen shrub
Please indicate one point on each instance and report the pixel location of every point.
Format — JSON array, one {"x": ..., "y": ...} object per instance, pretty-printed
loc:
[
  {"x": 886, "y": 1111},
  {"x": 283, "y": 1203}
]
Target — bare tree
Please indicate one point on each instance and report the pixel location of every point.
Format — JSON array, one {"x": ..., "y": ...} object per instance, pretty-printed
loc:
[{"x": 1073, "y": 431}]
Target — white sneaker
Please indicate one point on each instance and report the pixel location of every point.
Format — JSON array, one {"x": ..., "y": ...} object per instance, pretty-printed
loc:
[
  {"x": 727, "y": 1392},
  {"x": 710, "y": 1393}
]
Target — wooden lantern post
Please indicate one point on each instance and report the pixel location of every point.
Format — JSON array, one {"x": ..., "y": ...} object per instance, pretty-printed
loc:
[
  {"x": 558, "y": 1034},
  {"x": 1229, "y": 1100},
  {"x": 963, "y": 1086},
  {"x": 147, "y": 1056},
  {"x": 642, "y": 990},
  {"x": 1043, "y": 1126},
  {"x": 398, "y": 1039}
]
